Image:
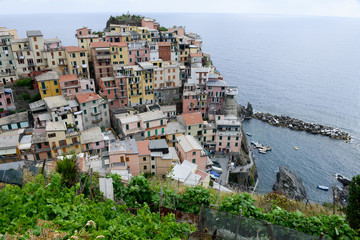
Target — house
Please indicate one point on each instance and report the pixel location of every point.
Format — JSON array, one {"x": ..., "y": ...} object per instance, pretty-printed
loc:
[
  {"x": 165, "y": 51},
  {"x": 123, "y": 156},
  {"x": 131, "y": 126},
  {"x": 78, "y": 114},
  {"x": 77, "y": 61},
  {"x": 94, "y": 109},
  {"x": 62, "y": 139},
  {"x": 9, "y": 142},
  {"x": 25, "y": 150},
  {"x": 40, "y": 145},
  {"x": 162, "y": 157},
  {"x": 101, "y": 59},
  {"x": 169, "y": 111},
  {"x": 92, "y": 141},
  {"x": 59, "y": 109},
  {"x": 155, "y": 124},
  {"x": 54, "y": 54},
  {"x": 193, "y": 123},
  {"x": 138, "y": 51},
  {"x": 114, "y": 89},
  {"x": 188, "y": 148},
  {"x": 216, "y": 88},
  {"x": 48, "y": 83},
  {"x": 14, "y": 121},
  {"x": 119, "y": 53},
  {"x": 7, "y": 58},
  {"x": 194, "y": 99},
  {"x": 85, "y": 37},
  {"x": 228, "y": 134},
  {"x": 189, "y": 174},
  {"x": 70, "y": 86},
  {"x": 6, "y": 98},
  {"x": 174, "y": 129},
  {"x": 40, "y": 115},
  {"x": 144, "y": 156}
]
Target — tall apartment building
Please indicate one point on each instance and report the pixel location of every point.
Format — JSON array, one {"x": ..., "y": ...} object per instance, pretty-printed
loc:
[
  {"x": 138, "y": 52},
  {"x": 95, "y": 110},
  {"x": 7, "y": 59},
  {"x": 216, "y": 88},
  {"x": 101, "y": 59},
  {"x": 77, "y": 62},
  {"x": 194, "y": 99},
  {"x": 70, "y": 86},
  {"x": 85, "y": 37},
  {"x": 114, "y": 89},
  {"x": 54, "y": 54}
]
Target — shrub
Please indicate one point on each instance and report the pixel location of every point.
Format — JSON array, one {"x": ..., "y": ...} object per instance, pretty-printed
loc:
[
  {"x": 192, "y": 198},
  {"x": 68, "y": 169},
  {"x": 24, "y": 82},
  {"x": 25, "y": 96},
  {"x": 353, "y": 207},
  {"x": 35, "y": 97}
]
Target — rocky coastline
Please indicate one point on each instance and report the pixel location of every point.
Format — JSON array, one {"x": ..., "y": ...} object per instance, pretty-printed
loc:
[{"x": 300, "y": 125}]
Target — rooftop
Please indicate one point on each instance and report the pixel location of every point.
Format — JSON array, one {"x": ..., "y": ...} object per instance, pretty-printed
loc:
[
  {"x": 10, "y": 139},
  {"x": 38, "y": 105},
  {"x": 91, "y": 135},
  {"x": 99, "y": 44},
  {"x": 196, "y": 54},
  {"x": 175, "y": 127},
  {"x": 33, "y": 33},
  {"x": 164, "y": 44},
  {"x": 192, "y": 118},
  {"x": 126, "y": 118},
  {"x": 14, "y": 118},
  {"x": 216, "y": 83},
  {"x": 143, "y": 147},
  {"x": 87, "y": 97},
  {"x": 70, "y": 77},
  {"x": 157, "y": 144},
  {"x": 189, "y": 143},
  {"x": 46, "y": 76},
  {"x": 146, "y": 65},
  {"x": 39, "y": 136},
  {"x": 128, "y": 146},
  {"x": 168, "y": 108},
  {"x": 55, "y": 126},
  {"x": 55, "y": 102},
  {"x": 152, "y": 116},
  {"x": 25, "y": 142},
  {"x": 74, "y": 49}
]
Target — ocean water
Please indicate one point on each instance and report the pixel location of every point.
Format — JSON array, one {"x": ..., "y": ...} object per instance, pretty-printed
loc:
[{"x": 304, "y": 67}]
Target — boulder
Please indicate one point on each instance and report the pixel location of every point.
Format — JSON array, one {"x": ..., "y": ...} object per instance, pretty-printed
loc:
[{"x": 290, "y": 184}]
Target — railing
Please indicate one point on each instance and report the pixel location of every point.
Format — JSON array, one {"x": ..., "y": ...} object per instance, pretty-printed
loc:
[
  {"x": 103, "y": 56},
  {"x": 96, "y": 113}
]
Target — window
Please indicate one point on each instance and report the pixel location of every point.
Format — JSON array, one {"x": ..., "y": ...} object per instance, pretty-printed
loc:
[
  {"x": 236, "y": 144},
  {"x": 220, "y": 143},
  {"x": 127, "y": 126},
  {"x": 55, "y": 82},
  {"x": 56, "y": 119},
  {"x": 237, "y": 138},
  {"x": 194, "y": 153},
  {"x": 97, "y": 143},
  {"x": 161, "y": 122},
  {"x": 138, "y": 124},
  {"x": 73, "y": 55},
  {"x": 36, "y": 47},
  {"x": 145, "y": 167},
  {"x": 84, "y": 104},
  {"x": 148, "y": 133},
  {"x": 144, "y": 158},
  {"x": 194, "y": 161},
  {"x": 147, "y": 125},
  {"x": 35, "y": 39},
  {"x": 83, "y": 61},
  {"x": 220, "y": 137},
  {"x": 84, "y": 111},
  {"x": 153, "y": 166},
  {"x": 229, "y": 138},
  {"x": 51, "y": 135},
  {"x": 104, "y": 106},
  {"x": 82, "y": 54},
  {"x": 43, "y": 85},
  {"x": 189, "y": 127}
]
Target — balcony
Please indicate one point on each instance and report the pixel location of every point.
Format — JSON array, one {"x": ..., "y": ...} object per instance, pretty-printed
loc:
[
  {"x": 105, "y": 56},
  {"x": 39, "y": 150},
  {"x": 97, "y": 121},
  {"x": 96, "y": 113}
]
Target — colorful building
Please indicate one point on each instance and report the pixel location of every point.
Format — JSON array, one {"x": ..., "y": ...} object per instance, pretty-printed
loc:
[
  {"x": 188, "y": 148},
  {"x": 119, "y": 53},
  {"x": 7, "y": 58},
  {"x": 101, "y": 59},
  {"x": 59, "y": 109},
  {"x": 92, "y": 141},
  {"x": 124, "y": 156},
  {"x": 77, "y": 61},
  {"x": 85, "y": 37},
  {"x": 155, "y": 123},
  {"x": 228, "y": 134},
  {"x": 138, "y": 52},
  {"x": 193, "y": 123},
  {"x": 70, "y": 86},
  {"x": 194, "y": 99},
  {"x": 216, "y": 88},
  {"x": 48, "y": 84}
]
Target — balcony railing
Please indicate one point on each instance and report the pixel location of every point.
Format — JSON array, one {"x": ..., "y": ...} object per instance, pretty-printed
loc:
[
  {"x": 96, "y": 121},
  {"x": 96, "y": 113}
]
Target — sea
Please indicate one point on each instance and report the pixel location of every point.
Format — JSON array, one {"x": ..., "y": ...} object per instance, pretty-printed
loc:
[{"x": 305, "y": 67}]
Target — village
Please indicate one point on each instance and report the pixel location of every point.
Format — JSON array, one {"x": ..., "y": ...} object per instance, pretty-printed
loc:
[{"x": 135, "y": 98}]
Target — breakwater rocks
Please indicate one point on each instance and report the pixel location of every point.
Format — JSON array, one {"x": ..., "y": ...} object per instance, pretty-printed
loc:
[{"x": 300, "y": 125}]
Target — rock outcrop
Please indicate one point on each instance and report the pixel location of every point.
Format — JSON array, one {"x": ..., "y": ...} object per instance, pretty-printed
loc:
[
  {"x": 245, "y": 112},
  {"x": 290, "y": 184},
  {"x": 300, "y": 125}
]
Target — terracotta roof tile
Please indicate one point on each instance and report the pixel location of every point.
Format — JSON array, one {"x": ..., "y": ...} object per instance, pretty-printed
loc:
[
  {"x": 143, "y": 147},
  {"x": 99, "y": 44},
  {"x": 196, "y": 54},
  {"x": 70, "y": 77},
  {"x": 192, "y": 118},
  {"x": 119, "y": 44},
  {"x": 74, "y": 49},
  {"x": 87, "y": 97}
]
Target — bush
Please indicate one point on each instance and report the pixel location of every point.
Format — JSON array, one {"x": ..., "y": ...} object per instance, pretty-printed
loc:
[
  {"x": 35, "y": 98},
  {"x": 138, "y": 192},
  {"x": 243, "y": 201},
  {"x": 163, "y": 29},
  {"x": 192, "y": 198},
  {"x": 25, "y": 96},
  {"x": 68, "y": 169},
  {"x": 24, "y": 82},
  {"x": 353, "y": 207}
]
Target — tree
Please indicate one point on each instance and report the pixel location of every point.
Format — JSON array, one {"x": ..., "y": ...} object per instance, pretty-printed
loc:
[
  {"x": 68, "y": 170},
  {"x": 353, "y": 207}
]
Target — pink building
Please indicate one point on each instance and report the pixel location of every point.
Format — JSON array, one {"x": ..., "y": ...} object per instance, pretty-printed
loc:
[
  {"x": 138, "y": 51},
  {"x": 101, "y": 58},
  {"x": 228, "y": 134},
  {"x": 188, "y": 148},
  {"x": 131, "y": 126},
  {"x": 124, "y": 155},
  {"x": 70, "y": 86},
  {"x": 92, "y": 141},
  {"x": 6, "y": 99},
  {"x": 148, "y": 22},
  {"x": 194, "y": 99},
  {"x": 216, "y": 88},
  {"x": 114, "y": 88}
]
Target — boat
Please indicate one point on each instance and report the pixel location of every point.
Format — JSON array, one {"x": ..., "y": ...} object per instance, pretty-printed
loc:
[
  {"x": 296, "y": 148},
  {"x": 248, "y": 134},
  {"x": 324, "y": 188}
]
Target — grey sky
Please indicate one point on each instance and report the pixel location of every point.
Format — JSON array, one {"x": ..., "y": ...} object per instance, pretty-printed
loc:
[{"x": 342, "y": 8}]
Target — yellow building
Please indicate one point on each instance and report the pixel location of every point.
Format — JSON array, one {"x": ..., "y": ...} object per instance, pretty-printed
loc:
[
  {"x": 144, "y": 33},
  {"x": 62, "y": 139},
  {"x": 140, "y": 84},
  {"x": 49, "y": 85},
  {"x": 119, "y": 53},
  {"x": 77, "y": 61},
  {"x": 85, "y": 37}
]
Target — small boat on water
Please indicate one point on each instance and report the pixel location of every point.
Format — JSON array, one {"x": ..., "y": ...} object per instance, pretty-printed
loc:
[
  {"x": 248, "y": 134},
  {"x": 296, "y": 148},
  {"x": 324, "y": 188}
]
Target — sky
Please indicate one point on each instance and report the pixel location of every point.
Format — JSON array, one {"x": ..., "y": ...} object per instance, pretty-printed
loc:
[{"x": 338, "y": 8}]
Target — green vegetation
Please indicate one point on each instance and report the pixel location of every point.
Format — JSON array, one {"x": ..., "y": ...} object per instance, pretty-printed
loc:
[
  {"x": 25, "y": 96},
  {"x": 100, "y": 34},
  {"x": 21, "y": 210},
  {"x": 35, "y": 98},
  {"x": 163, "y": 29},
  {"x": 68, "y": 170},
  {"x": 129, "y": 19},
  {"x": 24, "y": 82},
  {"x": 353, "y": 207}
]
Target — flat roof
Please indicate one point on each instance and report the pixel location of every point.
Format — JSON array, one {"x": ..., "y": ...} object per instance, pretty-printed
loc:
[
  {"x": 14, "y": 118},
  {"x": 47, "y": 76},
  {"x": 10, "y": 139},
  {"x": 189, "y": 143},
  {"x": 151, "y": 116},
  {"x": 175, "y": 127},
  {"x": 55, "y": 102},
  {"x": 39, "y": 136},
  {"x": 91, "y": 135},
  {"x": 33, "y": 33},
  {"x": 158, "y": 144},
  {"x": 128, "y": 146},
  {"x": 126, "y": 118},
  {"x": 55, "y": 126},
  {"x": 143, "y": 147}
]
